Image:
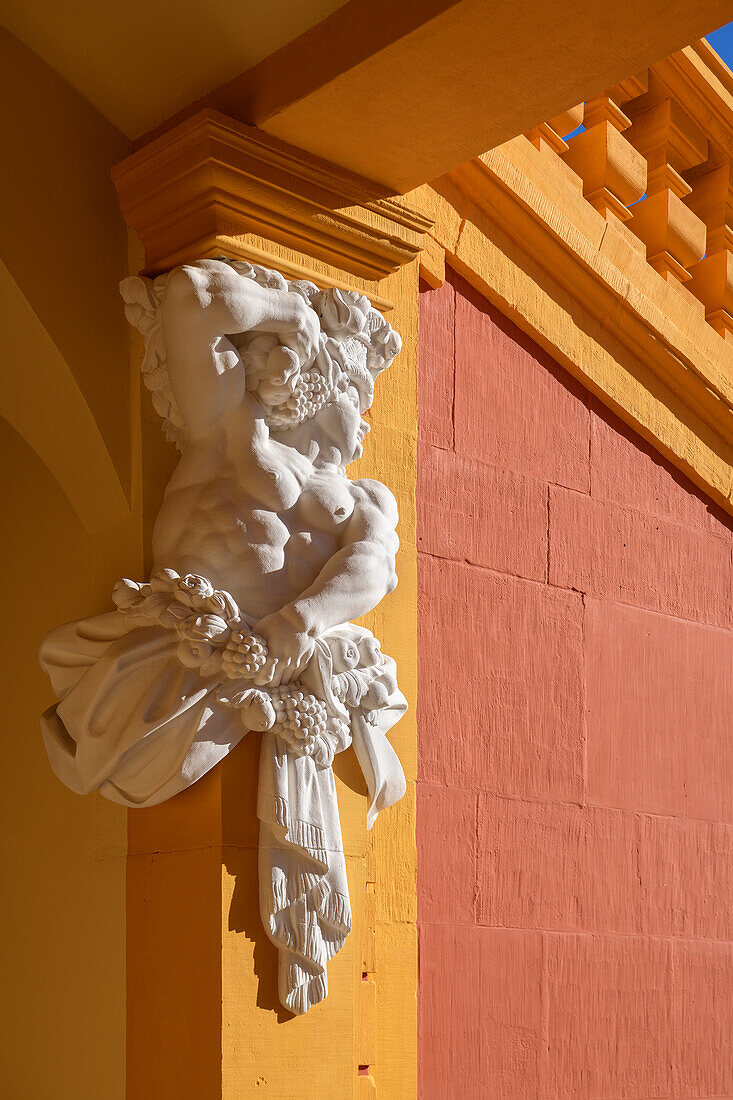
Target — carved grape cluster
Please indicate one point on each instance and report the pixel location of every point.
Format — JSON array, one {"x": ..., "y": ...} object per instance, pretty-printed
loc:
[
  {"x": 244, "y": 655},
  {"x": 300, "y": 718},
  {"x": 310, "y": 394}
]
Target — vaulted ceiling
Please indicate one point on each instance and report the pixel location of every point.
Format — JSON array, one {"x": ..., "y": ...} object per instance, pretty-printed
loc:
[{"x": 140, "y": 61}]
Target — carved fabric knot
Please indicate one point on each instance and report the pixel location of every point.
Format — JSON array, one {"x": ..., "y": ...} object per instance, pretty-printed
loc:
[{"x": 214, "y": 640}]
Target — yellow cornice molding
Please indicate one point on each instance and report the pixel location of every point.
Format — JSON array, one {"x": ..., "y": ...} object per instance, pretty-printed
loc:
[
  {"x": 517, "y": 228},
  {"x": 514, "y": 222},
  {"x": 713, "y": 61},
  {"x": 216, "y": 186}
]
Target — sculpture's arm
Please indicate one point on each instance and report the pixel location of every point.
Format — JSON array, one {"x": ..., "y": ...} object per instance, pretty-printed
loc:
[
  {"x": 203, "y": 304},
  {"x": 351, "y": 583},
  {"x": 362, "y": 571}
]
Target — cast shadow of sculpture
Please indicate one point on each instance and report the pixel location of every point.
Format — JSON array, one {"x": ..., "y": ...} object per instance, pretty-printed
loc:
[
  {"x": 240, "y": 836},
  {"x": 239, "y": 856}
]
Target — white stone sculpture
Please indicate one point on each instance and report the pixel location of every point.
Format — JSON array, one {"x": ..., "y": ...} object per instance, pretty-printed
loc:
[{"x": 263, "y": 552}]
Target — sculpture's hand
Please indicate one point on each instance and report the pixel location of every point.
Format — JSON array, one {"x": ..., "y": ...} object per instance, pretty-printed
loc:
[
  {"x": 301, "y": 328},
  {"x": 290, "y": 648}
]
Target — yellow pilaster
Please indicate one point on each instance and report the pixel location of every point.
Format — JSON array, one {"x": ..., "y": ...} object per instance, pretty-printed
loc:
[{"x": 204, "y": 1019}]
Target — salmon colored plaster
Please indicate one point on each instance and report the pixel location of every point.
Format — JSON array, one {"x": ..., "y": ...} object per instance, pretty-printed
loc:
[
  {"x": 528, "y": 416},
  {"x": 575, "y": 837}
]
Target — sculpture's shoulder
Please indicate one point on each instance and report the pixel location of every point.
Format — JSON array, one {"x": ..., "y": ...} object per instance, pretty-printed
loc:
[{"x": 374, "y": 497}]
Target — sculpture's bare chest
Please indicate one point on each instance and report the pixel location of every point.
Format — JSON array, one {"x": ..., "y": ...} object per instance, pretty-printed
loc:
[{"x": 265, "y": 556}]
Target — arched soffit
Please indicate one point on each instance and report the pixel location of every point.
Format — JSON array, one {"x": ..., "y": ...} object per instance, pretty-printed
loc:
[
  {"x": 62, "y": 236},
  {"x": 41, "y": 400}
]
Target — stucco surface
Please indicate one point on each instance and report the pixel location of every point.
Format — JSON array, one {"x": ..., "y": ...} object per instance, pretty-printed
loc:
[
  {"x": 69, "y": 458},
  {"x": 575, "y": 845}
]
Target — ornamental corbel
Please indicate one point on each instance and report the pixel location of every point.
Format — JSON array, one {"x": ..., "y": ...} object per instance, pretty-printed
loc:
[{"x": 263, "y": 552}]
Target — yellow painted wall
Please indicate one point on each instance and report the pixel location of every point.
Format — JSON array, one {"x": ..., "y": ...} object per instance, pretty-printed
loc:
[
  {"x": 154, "y": 977},
  {"x": 68, "y": 464},
  {"x": 149, "y": 974},
  {"x": 369, "y": 1016},
  {"x": 203, "y": 1013}
]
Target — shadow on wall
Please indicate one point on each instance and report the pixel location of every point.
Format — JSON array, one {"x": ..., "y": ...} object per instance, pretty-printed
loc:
[
  {"x": 62, "y": 856},
  {"x": 241, "y": 836},
  {"x": 240, "y": 860}
]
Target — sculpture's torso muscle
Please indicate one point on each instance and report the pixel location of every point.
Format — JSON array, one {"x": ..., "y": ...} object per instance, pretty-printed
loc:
[{"x": 266, "y": 542}]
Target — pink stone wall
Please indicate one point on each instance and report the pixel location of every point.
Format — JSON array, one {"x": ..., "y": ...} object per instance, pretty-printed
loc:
[{"x": 575, "y": 802}]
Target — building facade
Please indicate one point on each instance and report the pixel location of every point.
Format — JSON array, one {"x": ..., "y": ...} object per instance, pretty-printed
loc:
[{"x": 545, "y": 913}]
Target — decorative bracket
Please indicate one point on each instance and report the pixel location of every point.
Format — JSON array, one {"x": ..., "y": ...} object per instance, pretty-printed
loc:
[
  {"x": 213, "y": 185},
  {"x": 264, "y": 550}
]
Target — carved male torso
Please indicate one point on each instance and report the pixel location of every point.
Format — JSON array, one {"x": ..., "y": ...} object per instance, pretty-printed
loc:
[
  {"x": 269, "y": 514},
  {"x": 264, "y": 538},
  {"x": 265, "y": 547}
]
